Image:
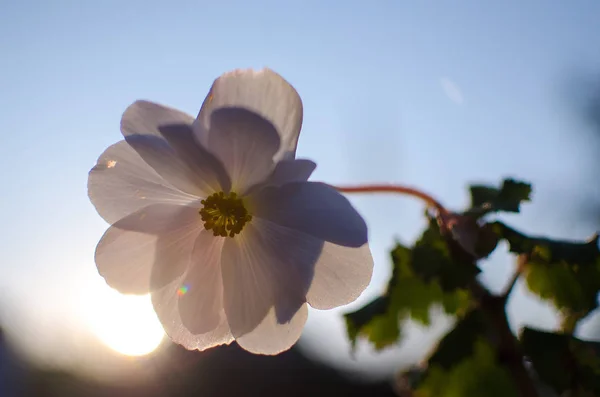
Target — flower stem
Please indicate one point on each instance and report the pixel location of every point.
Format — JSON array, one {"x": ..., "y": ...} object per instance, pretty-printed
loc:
[
  {"x": 409, "y": 191},
  {"x": 507, "y": 345},
  {"x": 521, "y": 262}
]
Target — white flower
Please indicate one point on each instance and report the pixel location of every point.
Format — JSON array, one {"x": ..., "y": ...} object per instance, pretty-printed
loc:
[{"x": 215, "y": 218}]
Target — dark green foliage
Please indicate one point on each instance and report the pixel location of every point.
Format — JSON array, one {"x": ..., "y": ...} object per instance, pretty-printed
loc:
[
  {"x": 465, "y": 363},
  {"x": 422, "y": 277},
  {"x": 564, "y": 362},
  {"x": 565, "y": 273},
  {"x": 507, "y": 198},
  {"x": 431, "y": 260},
  {"x": 477, "y": 375},
  {"x": 459, "y": 343},
  {"x": 480, "y": 356}
]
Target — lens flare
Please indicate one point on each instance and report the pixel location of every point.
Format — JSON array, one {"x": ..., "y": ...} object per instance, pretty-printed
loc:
[{"x": 182, "y": 290}]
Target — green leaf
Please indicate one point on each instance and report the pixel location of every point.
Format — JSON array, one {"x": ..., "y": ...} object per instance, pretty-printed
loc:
[
  {"x": 475, "y": 376},
  {"x": 458, "y": 344},
  {"x": 549, "y": 250},
  {"x": 565, "y": 273},
  {"x": 463, "y": 364},
  {"x": 563, "y": 362},
  {"x": 508, "y": 197},
  {"x": 431, "y": 259},
  {"x": 422, "y": 277},
  {"x": 374, "y": 321}
]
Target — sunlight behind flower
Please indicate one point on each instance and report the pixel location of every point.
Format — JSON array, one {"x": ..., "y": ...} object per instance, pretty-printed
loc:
[{"x": 124, "y": 323}]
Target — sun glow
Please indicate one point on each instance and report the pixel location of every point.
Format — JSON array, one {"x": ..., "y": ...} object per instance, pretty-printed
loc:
[{"x": 124, "y": 323}]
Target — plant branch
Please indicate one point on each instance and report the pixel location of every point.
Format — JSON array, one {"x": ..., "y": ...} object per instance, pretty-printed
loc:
[
  {"x": 493, "y": 306},
  {"x": 509, "y": 352},
  {"x": 521, "y": 262},
  {"x": 382, "y": 188}
]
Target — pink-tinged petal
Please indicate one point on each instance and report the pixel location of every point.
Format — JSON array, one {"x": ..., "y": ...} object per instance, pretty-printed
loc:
[
  {"x": 267, "y": 266},
  {"x": 166, "y": 305},
  {"x": 122, "y": 183},
  {"x": 287, "y": 171},
  {"x": 272, "y": 337},
  {"x": 145, "y": 118},
  {"x": 341, "y": 275},
  {"x": 314, "y": 208},
  {"x": 163, "y": 137},
  {"x": 125, "y": 260},
  {"x": 213, "y": 175},
  {"x": 245, "y": 143},
  {"x": 149, "y": 248},
  {"x": 263, "y": 92},
  {"x": 201, "y": 299}
]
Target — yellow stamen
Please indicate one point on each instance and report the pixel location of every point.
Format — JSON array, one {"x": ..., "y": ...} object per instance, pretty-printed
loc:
[{"x": 224, "y": 214}]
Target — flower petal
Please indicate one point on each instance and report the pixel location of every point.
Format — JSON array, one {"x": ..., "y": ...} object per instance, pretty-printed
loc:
[
  {"x": 313, "y": 208},
  {"x": 267, "y": 266},
  {"x": 165, "y": 302},
  {"x": 341, "y": 275},
  {"x": 163, "y": 138},
  {"x": 148, "y": 248},
  {"x": 263, "y": 92},
  {"x": 271, "y": 337},
  {"x": 245, "y": 143},
  {"x": 201, "y": 300},
  {"x": 145, "y": 118},
  {"x": 122, "y": 183},
  {"x": 286, "y": 171},
  {"x": 207, "y": 166}
]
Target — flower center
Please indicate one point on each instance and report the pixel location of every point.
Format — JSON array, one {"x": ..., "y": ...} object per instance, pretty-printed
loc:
[{"x": 224, "y": 214}]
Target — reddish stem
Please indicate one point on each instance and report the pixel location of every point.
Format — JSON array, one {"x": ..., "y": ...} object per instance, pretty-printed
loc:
[{"x": 409, "y": 191}]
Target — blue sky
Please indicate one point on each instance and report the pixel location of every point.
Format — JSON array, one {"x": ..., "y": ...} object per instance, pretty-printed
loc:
[{"x": 431, "y": 94}]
